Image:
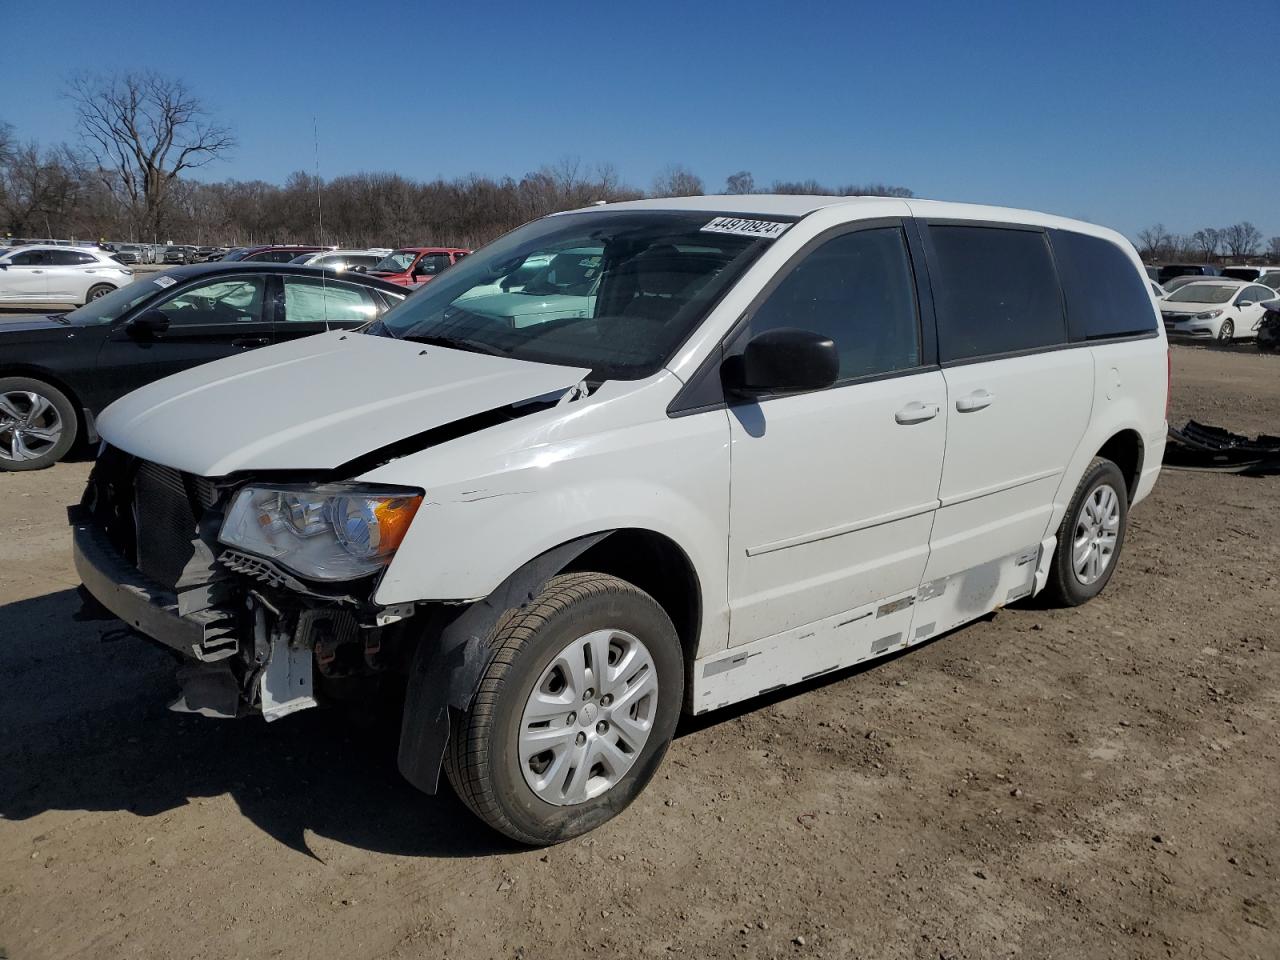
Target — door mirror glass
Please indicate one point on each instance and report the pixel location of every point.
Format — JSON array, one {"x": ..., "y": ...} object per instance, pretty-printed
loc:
[
  {"x": 148, "y": 324},
  {"x": 784, "y": 360}
]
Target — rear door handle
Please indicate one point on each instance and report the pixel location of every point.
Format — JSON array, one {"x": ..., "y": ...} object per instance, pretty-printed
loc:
[
  {"x": 916, "y": 412},
  {"x": 978, "y": 400},
  {"x": 251, "y": 342}
]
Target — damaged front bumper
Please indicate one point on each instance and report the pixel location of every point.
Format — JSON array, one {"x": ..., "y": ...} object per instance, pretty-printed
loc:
[{"x": 251, "y": 637}]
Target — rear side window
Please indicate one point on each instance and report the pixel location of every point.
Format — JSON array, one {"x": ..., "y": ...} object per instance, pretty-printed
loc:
[
  {"x": 858, "y": 290},
  {"x": 308, "y": 300},
  {"x": 1106, "y": 295},
  {"x": 995, "y": 291}
]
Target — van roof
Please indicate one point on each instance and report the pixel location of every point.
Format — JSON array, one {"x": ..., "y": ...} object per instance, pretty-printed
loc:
[{"x": 799, "y": 205}]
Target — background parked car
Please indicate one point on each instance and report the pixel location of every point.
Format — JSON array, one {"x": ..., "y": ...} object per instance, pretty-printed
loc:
[
  {"x": 178, "y": 254},
  {"x": 128, "y": 253},
  {"x": 360, "y": 261},
  {"x": 1179, "y": 282},
  {"x": 58, "y": 372},
  {"x": 414, "y": 266},
  {"x": 1221, "y": 309},
  {"x": 1171, "y": 270},
  {"x": 1269, "y": 327},
  {"x": 1158, "y": 291},
  {"x": 49, "y": 274},
  {"x": 1245, "y": 273},
  {"x": 272, "y": 253},
  {"x": 208, "y": 254}
]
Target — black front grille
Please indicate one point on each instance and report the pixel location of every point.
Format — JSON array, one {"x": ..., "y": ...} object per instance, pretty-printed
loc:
[{"x": 165, "y": 521}]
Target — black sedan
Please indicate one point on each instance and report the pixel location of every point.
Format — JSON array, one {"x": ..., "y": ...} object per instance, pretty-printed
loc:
[
  {"x": 58, "y": 371},
  {"x": 1269, "y": 328}
]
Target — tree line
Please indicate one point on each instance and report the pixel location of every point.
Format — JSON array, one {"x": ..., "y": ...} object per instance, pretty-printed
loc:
[
  {"x": 1238, "y": 241},
  {"x": 141, "y": 136}
]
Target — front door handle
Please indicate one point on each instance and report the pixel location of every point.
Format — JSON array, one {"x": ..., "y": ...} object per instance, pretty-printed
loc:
[
  {"x": 978, "y": 400},
  {"x": 916, "y": 412},
  {"x": 251, "y": 342}
]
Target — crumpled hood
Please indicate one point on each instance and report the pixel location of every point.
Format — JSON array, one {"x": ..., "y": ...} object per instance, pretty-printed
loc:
[{"x": 315, "y": 403}]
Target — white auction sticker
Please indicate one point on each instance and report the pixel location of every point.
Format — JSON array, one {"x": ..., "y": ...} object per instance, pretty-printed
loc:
[
  {"x": 164, "y": 281},
  {"x": 746, "y": 228}
]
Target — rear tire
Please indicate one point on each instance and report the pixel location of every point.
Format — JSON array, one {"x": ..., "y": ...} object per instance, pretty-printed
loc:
[
  {"x": 1090, "y": 536},
  {"x": 37, "y": 424},
  {"x": 612, "y": 739},
  {"x": 96, "y": 291}
]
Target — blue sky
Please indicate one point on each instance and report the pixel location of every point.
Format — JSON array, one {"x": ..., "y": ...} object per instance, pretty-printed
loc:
[{"x": 1121, "y": 113}]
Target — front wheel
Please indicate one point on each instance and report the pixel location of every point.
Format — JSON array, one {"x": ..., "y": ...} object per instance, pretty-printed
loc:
[
  {"x": 37, "y": 424},
  {"x": 1090, "y": 537},
  {"x": 574, "y": 713},
  {"x": 1226, "y": 332}
]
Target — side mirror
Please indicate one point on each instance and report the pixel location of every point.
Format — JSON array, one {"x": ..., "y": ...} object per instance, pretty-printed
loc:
[
  {"x": 780, "y": 361},
  {"x": 149, "y": 324}
]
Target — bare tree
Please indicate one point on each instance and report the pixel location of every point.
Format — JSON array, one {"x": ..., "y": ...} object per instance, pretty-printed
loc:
[
  {"x": 1241, "y": 239},
  {"x": 677, "y": 180},
  {"x": 740, "y": 182},
  {"x": 1206, "y": 242},
  {"x": 1273, "y": 248},
  {"x": 142, "y": 130},
  {"x": 1153, "y": 241}
]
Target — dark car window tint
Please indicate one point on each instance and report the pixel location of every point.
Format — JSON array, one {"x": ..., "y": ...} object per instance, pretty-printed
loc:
[
  {"x": 1257, "y": 293},
  {"x": 225, "y": 300},
  {"x": 30, "y": 258},
  {"x": 1106, "y": 295},
  {"x": 995, "y": 290},
  {"x": 310, "y": 300},
  {"x": 70, "y": 258},
  {"x": 858, "y": 290},
  {"x": 432, "y": 263}
]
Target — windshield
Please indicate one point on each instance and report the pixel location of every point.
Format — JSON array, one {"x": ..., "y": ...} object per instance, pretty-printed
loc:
[
  {"x": 397, "y": 262},
  {"x": 614, "y": 291},
  {"x": 1204, "y": 293},
  {"x": 113, "y": 306}
]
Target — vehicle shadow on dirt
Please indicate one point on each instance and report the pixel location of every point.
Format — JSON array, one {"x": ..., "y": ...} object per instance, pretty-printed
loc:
[{"x": 84, "y": 726}]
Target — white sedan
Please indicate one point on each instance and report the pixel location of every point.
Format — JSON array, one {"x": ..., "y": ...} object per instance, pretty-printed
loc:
[
  {"x": 1218, "y": 309},
  {"x": 55, "y": 274}
]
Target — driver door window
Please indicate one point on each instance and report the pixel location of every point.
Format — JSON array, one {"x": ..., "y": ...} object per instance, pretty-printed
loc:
[{"x": 235, "y": 301}]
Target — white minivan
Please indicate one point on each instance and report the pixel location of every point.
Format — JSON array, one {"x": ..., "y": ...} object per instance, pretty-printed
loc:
[{"x": 790, "y": 434}]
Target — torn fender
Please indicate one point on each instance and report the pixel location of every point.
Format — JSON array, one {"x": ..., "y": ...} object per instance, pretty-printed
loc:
[{"x": 446, "y": 671}]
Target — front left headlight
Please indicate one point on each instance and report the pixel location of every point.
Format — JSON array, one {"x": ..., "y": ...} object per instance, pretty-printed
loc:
[
  {"x": 1207, "y": 315},
  {"x": 330, "y": 532}
]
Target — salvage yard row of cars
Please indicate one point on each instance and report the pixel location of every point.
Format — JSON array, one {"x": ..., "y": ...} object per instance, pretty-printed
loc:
[{"x": 623, "y": 463}]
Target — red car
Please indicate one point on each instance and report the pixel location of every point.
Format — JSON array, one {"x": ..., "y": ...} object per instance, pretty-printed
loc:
[{"x": 413, "y": 266}]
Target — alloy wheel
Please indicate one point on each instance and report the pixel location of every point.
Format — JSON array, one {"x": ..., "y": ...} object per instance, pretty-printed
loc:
[{"x": 30, "y": 426}]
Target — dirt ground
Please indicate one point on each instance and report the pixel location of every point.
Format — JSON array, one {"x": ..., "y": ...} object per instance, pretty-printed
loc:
[{"x": 1099, "y": 782}]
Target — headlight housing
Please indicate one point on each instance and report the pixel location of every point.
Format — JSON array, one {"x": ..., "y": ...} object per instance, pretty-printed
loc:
[
  {"x": 329, "y": 532},
  {"x": 1207, "y": 315}
]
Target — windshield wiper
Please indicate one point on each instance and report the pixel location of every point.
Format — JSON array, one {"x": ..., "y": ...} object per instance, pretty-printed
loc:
[{"x": 458, "y": 343}]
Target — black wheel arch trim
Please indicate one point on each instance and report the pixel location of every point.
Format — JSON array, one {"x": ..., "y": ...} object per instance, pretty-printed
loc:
[{"x": 446, "y": 669}]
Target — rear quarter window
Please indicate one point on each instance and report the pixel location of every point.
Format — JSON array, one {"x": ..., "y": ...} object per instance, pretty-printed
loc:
[
  {"x": 995, "y": 291},
  {"x": 1106, "y": 295}
]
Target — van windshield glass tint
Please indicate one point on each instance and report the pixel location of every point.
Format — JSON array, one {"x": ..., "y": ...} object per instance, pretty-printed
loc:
[{"x": 614, "y": 291}]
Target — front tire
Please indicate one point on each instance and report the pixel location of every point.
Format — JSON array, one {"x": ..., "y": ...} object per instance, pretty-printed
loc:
[
  {"x": 575, "y": 712},
  {"x": 1090, "y": 537},
  {"x": 37, "y": 424},
  {"x": 1226, "y": 332}
]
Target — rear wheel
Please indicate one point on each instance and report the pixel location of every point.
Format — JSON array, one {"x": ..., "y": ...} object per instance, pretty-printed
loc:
[
  {"x": 575, "y": 712},
  {"x": 99, "y": 290},
  {"x": 37, "y": 424},
  {"x": 1227, "y": 331},
  {"x": 1090, "y": 537}
]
